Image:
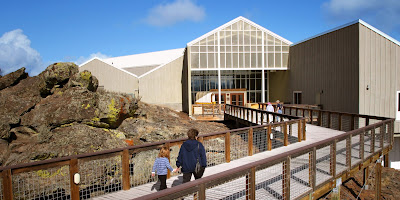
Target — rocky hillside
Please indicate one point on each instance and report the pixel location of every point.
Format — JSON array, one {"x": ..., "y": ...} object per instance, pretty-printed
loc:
[{"x": 60, "y": 113}]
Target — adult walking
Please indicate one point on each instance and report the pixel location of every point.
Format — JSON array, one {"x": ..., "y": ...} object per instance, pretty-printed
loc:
[{"x": 191, "y": 151}]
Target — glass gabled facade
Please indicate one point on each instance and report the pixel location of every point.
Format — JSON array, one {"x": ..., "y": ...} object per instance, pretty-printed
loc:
[{"x": 237, "y": 52}]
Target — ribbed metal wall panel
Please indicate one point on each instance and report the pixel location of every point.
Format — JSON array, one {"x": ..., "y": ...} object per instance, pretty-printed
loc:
[{"x": 328, "y": 65}]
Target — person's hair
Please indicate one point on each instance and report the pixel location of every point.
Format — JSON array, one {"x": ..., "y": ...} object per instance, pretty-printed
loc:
[
  {"x": 164, "y": 151},
  {"x": 192, "y": 133}
]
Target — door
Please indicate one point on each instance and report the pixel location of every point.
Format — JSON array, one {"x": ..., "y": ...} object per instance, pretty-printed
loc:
[
  {"x": 223, "y": 98},
  {"x": 297, "y": 97},
  {"x": 237, "y": 99}
]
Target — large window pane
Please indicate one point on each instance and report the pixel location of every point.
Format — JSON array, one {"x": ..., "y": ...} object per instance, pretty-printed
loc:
[
  {"x": 211, "y": 60},
  {"x": 235, "y": 60},
  {"x": 203, "y": 60},
  {"x": 229, "y": 60},
  {"x": 285, "y": 58},
  {"x": 222, "y": 59},
  {"x": 271, "y": 59},
  {"x": 194, "y": 60},
  {"x": 278, "y": 60},
  {"x": 241, "y": 60},
  {"x": 253, "y": 60}
]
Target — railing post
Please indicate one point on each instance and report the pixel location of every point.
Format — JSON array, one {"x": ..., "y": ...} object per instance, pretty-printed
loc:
[
  {"x": 125, "y": 170},
  {"x": 340, "y": 121},
  {"x": 311, "y": 115},
  {"x": 319, "y": 118},
  {"x": 348, "y": 152},
  {"x": 213, "y": 105},
  {"x": 329, "y": 120},
  {"x": 378, "y": 175},
  {"x": 304, "y": 129},
  {"x": 7, "y": 184},
  {"x": 269, "y": 146},
  {"x": 367, "y": 121},
  {"x": 202, "y": 192},
  {"x": 250, "y": 141},
  {"x": 382, "y": 137},
  {"x": 372, "y": 147},
  {"x": 262, "y": 118},
  {"x": 361, "y": 153},
  {"x": 352, "y": 122},
  {"x": 286, "y": 179},
  {"x": 333, "y": 158},
  {"x": 251, "y": 184},
  {"x": 285, "y": 135},
  {"x": 228, "y": 147},
  {"x": 73, "y": 168},
  {"x": 168, "y": 156},
  {"x": 299, "y": 135}
]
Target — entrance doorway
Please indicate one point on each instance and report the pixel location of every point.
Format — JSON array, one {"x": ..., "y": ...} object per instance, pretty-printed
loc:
[{"x": 237, "y": 99}]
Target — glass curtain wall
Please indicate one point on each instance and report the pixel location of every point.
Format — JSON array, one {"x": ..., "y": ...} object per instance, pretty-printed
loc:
[{"x": 204, "y": 81}]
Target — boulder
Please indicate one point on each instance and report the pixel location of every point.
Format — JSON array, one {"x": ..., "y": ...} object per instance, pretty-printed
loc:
[
  {"x": 56, "y": 76},
  {"x": 13, "y": 78},
  {"x": 73, "y": 105},
  {"x": 84, "y": 79}
]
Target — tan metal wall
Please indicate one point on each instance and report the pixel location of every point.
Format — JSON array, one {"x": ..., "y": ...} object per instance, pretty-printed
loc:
[
  {"x": 112, "y": 78},
  {"x": 379, "y": 60},
  {"x": 164, "y": 85},
  {"x": 328, "y": 65}
]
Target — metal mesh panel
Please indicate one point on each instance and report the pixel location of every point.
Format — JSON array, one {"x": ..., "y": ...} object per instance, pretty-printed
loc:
[
  {"x": 334, "y": 121},
  {"x": 341, "y": 164},
  {"x": 325, "y": 119},
  {"x": 323, "y": 165},
  {"x": 367, "y": 144},
  {"x": 100, "y": 176},
  {"x": 378, "y": 139},
  {"x": 141, "y": 165},
  {"x": 52, "y": 183},
  {"x": 307, "y": 115},
  {"x": 173, "y": 156},
  {"x": 300, "y": 175},
  {"x": 186, "y": 197},
  {"x": 239, "y": 144},
  {"x": 235, "y": 188},
  {"x": 315, "y": 115},
  {"x": 355, "y": 150},
  {"x": 346, "y": 123},
  {"x": 260, "y": 140},
  {"x": 215, "y": 151},
  {"x": 278, "y": 137},
  {"x": 387, "y": 135},
  {"x": 269, "y": 182},
  {"x": 293, "y": 130}
]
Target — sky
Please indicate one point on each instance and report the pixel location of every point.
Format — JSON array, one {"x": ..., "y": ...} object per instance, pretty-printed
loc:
[{"x": 35, "y": 34}]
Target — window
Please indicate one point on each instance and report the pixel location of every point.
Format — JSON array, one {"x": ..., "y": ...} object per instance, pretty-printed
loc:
[
  {"x": 297, "y": 97},
  {"x": 398, "y": 105}
]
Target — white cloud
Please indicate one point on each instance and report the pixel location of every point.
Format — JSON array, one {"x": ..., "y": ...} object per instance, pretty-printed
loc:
[
  {"x": 82, "y": 59},
  {"x": 177, "y": 11},
  {"x": 383, "y": 14},
  {"x": 16, "y": 52}
]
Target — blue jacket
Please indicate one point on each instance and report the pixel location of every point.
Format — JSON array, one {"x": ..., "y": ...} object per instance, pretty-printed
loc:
[
  {"x": 161, "y": 165},
  {"x": 188, "y": 154}
]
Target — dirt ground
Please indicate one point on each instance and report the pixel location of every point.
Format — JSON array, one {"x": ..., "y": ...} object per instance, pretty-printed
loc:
[{"x": 390, "y": 185}]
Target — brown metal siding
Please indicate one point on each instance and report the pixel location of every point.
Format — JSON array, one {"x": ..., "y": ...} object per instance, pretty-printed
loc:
[
  {"x": 379, "y": 60},
  {"x": 327, "y": 63}
]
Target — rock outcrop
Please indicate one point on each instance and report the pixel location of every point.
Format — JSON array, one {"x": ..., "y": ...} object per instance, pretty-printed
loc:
[{"x": 57, "y": 113}]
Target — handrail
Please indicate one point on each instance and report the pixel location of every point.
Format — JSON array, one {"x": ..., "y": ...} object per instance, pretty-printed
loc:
[
  {"x": 126, "y": 153},
  {"x": 198, "y": 187}
]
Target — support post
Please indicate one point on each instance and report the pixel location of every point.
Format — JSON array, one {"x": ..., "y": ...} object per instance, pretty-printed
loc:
[
  {"x": 333, "y": 158},
  {"x": 299, "y": 134},
  {"x": 202, "y": 192},
  {"x": 352, "y": 122},
  {"x": 252, "y": 183},
  {"x": 168, "y": 156},
  {"x": 125, "y": 170},
  {"x": 378, "y": 175},
  {"x": 269, "y": 138},
  {"x": 286, "y": 179},
  {"x": 304, "y": 129},
  {"x": 73, "y": 168},
  {"x": 348, "y": 152},
  {"x": 250, "y": 141},
  {"x": 285, "y": 135},
  {"x": 340, "y": 122},
  {"x": 386, "y": 160},
  {"x": 228, "y": 147},
  {"x": 361, "y": 151},
  {"x": 7, "y": 184},
  {"x": 319, "y": 118}
]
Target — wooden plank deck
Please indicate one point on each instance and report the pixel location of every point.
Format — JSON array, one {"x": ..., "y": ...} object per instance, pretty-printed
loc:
[{"x": 314, "y": 134}]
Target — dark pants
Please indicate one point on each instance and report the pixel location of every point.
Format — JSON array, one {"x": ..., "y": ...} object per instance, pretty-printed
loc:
[
  {"x": 188, "y": 176},
  {"x": 163, "y": 181}
]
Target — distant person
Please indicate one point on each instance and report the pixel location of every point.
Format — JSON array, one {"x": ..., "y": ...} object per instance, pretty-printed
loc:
[
  {"x": 270, "y": 108},
  {"x": 161, "y": 165},
  {"x": 190, "y": 151},
  {"x": 279, "y": 107}
]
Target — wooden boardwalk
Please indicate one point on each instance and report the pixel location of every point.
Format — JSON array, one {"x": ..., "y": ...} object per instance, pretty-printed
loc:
[{"x": 299, "y": 175}]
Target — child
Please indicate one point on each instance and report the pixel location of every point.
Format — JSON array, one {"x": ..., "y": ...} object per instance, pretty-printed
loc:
[{"x": 161, "y": 164}]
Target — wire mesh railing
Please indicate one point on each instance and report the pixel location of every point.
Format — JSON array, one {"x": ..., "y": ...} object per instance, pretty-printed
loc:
[{"x": 293, "y": 175}]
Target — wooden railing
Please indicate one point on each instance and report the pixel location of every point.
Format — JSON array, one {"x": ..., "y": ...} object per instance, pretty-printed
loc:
[
  {"x": 123, "y": 168},
  {"x": 319, "y": 165}
]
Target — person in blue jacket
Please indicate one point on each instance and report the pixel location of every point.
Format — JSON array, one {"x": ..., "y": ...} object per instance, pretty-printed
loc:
[{"x": 190, "y": 150}]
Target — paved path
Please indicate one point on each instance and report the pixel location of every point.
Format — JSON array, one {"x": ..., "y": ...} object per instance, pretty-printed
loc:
[{"x": 300, "y": 176}]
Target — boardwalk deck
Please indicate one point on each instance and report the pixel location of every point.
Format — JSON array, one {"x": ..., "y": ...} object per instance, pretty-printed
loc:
[{"x": 299, "y": 177}]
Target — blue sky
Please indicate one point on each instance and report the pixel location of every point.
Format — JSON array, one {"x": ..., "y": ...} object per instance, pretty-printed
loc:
[{"x": 34, "y": 34}]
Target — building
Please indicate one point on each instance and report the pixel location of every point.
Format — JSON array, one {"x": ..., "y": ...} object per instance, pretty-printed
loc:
[{"x": 351, "y": 68}]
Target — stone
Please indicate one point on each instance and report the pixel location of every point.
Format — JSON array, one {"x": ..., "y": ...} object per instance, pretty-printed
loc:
[{"x": 13, "y": 78}]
